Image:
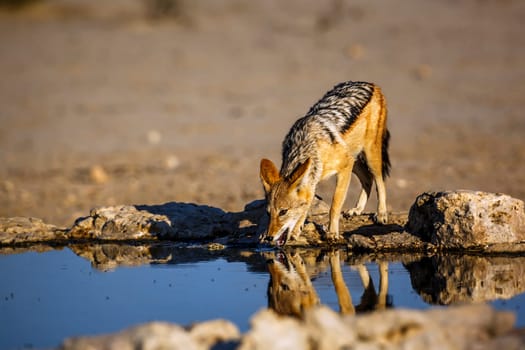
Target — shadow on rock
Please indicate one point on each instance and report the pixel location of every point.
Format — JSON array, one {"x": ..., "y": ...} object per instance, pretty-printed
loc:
[
  {"x": 185, "y": 220},
  {"x": 170, "y": 221},
  {"x": 377, "y": 230}
]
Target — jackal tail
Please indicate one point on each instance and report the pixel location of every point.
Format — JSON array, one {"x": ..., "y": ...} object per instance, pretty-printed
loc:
[{"x": 386, "y": 166}]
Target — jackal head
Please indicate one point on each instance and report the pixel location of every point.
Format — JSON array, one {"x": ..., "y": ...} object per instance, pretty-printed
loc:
[
  {"x": 290, "y": 291},
  {"x": 288, "y": 200}
]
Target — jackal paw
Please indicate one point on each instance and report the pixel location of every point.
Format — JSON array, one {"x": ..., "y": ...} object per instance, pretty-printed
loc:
[
  {"x": 381, "y": 218},
  {"x": 353, "y": 212},
  {"x": 333, "y": 238},
  {"x": 330, "y": 237},
  {"x": 323, "y": 230}
]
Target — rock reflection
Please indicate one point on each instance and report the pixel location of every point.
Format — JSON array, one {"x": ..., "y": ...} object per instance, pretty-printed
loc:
[
  {"x": 453, "y": 279},
  {"x": 106, "y": 257},
  {"x": 291, "y": 292}
]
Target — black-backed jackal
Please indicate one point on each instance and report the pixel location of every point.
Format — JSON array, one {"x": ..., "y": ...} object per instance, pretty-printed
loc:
[{"x": 344, "y": 132}]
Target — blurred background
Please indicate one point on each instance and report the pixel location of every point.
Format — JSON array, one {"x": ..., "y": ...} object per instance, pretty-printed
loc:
[{"x": 151, "y": 101}]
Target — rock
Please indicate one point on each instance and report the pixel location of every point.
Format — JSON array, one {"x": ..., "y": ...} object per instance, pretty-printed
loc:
[
  {"x": 318, "y": 207},
  {"x": 469, "y": 220},
  {"x": 463, "y": 327},
  {"x": 470, "y": 324},
  {"x": 210, "y": 333},
  {"x": 392, "y": 241},
  {"x": 98, "y": 174},
  {"x": 152, "y": 336},
  {"x": 392, "y": 328},
  {"x": 453, "y": 328},
  {"x": 355, "y": 51},
  {"x": 423, "y": 72},
  {"x": 271, "y": 331},
  {"x": 171, "y": 162},
  {"x": 258, "y": 204},
  {"x": 250, "y": 222},
  {"x": 513, "y": 340},
  {"x": 154, "y": 137},
  {"x": 462, "y": 220},
  {"x": 21, "y": 230},
  {"x": 328, "y": 330},
  {"x": 176, "y": 221}
]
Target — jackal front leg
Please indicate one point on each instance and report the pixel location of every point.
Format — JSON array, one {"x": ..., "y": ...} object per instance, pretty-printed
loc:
[
  {"x": 341, "y": 187},
  {"x": 383, "y": 285},
  {"x": 298, "y": 229}
]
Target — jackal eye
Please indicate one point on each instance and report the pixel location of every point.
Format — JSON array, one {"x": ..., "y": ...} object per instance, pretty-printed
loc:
[{"x": 283, "y": 212}]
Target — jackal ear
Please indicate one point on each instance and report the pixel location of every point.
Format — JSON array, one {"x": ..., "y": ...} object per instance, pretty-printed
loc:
[
  {"x": 269, "y": 174},
  {"x": 298, "y": 175}
]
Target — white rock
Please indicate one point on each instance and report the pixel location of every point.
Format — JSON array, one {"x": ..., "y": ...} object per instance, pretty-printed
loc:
[
  {"x": 271, "y": 331},
  {"x": 467, "y": 219}
]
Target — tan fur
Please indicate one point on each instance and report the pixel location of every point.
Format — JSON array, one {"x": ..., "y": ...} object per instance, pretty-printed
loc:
[{"x": 290, "y": 196}]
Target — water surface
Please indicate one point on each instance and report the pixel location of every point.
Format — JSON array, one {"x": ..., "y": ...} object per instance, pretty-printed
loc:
[{"x": 95, "y": 289}]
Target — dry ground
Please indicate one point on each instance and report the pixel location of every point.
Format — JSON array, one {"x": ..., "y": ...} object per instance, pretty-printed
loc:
[{"x": 101, "y": 104}]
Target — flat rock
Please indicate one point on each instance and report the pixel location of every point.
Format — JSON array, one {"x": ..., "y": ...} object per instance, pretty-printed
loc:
[
  {"x": 174, "y": 221},
  {"x": 22, "y": 230},
  {"x": 469, "y": 220}
]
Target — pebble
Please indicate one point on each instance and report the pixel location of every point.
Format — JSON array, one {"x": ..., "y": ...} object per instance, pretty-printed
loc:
[
  {"x": 171, "y": 162},
  {"x": 154, "y": 137},
  {"x": 423, "y": 72},
  {"x": 355, "y": 51},
  {"x": 98, "y": 175}
]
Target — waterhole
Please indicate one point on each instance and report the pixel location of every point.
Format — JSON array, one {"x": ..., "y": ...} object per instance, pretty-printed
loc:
[{"x": 81, "y": 290}]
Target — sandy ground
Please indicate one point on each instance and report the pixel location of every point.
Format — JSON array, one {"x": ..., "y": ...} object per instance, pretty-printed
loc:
[{"x": 101, "y": 104}]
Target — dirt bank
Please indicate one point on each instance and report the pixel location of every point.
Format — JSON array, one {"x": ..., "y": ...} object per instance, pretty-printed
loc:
[{"x": 101, "y": 105}]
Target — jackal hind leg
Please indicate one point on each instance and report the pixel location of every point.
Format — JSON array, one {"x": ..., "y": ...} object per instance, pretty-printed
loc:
[
  {"x": 382, "y": 215},
  {"x": 369, "y": 296},
  {"x": 374, "y": 162},
  {"x": 365, "y": 178}
]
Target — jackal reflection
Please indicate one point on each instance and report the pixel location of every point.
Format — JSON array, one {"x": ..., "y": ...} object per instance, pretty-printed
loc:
[{"x": 291, "y": 292}]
